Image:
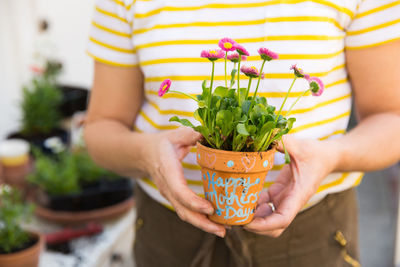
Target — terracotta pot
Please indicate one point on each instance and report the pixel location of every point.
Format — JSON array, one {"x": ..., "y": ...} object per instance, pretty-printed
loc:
[
  {"x": 81, "y": 217},
  {"x": 233, "y": 181},
  {"x": 25, "y": 258}
]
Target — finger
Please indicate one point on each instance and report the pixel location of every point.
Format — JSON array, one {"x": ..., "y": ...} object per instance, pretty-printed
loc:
[
  {"x": 281, "y": 218},
  {"x": 185, "y": 136},
  {"x": 264, "y": 197},
  {"x": 176, "y": 184},
  {"x": 198, "y": 220},
  {"x": 263, "y": 210},
  {"x": 182, "y": 152},
  {"x": 190, "y": 200},
  {"x": 274, "y": 234}
]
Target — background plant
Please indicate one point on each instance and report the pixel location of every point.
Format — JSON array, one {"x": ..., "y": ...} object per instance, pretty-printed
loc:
[
  {"x": 66, "y": 173},
  {"x": 12, "y": 212},
  {"x": 233, "y": 119},
  {"x": 41, "y": 101}
]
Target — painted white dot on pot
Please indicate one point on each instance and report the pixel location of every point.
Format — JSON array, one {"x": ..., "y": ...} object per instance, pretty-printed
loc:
[
  {"x": 265, "y": 164},
  {"x": 230, "y": 163}
]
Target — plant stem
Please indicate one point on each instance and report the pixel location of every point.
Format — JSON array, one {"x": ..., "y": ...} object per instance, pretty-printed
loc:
[
  {"x": 284, "y": 101},
  {"x": 258, "y": 84},
  {"x": 248, "y": 88},
  {"x": 234, "y": 67},
  {"x": 185, "y": 94},
  {"x": 226, "y": 57},
  {"x": 238, "y": 78},
  {"x": 211, "y": 84},
  {"x": 267, "y": 141},
  {"x": 259, "y": 79},
  {"x": 294, "y": 103}
]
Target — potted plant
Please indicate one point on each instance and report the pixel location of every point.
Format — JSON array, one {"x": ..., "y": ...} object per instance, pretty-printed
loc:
[
  {"x": 18, "y": 247},
  {"x": 240, "y": 132},
  {"x": 74, "y": 99},
  {"x": 40, "y": 105},
  {"x": 72, "y": 184}
]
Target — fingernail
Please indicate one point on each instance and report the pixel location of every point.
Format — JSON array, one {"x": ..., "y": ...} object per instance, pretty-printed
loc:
[
  {"x": 209, "y": 211},
  {"x": 221, "y": 234}
]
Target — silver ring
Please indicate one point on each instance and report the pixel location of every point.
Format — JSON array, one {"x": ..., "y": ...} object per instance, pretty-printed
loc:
[{"x": 272, "y": 206}]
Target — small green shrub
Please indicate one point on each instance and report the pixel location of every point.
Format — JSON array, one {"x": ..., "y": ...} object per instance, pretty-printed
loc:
[
  {"x": 66, "y": 173},
  {"x": 12, "y": 212},
  {"x": 40, "y": 103}
]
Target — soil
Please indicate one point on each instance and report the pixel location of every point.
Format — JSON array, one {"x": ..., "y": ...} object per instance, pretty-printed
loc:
[
  {"x": 103, "y": 193},
  {"x": 31, "y": 242},
  {"x": 74, "y": 100}
]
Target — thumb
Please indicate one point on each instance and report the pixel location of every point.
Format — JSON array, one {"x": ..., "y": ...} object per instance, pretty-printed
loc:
[
  {"x": 186, "y": 136},
  {"x": 289, "y": 142}
]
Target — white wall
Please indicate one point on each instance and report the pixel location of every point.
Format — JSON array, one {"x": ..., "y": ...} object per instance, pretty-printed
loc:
[{"x": 69, "y": 22}]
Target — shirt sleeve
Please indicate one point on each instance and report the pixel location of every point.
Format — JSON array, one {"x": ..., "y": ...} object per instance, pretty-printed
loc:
[
  {"x": 110, "y": 38},
  {"x": 376, "y": 22}
]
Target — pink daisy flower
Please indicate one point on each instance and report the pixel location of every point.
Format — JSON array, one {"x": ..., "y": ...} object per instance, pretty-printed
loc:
[
  {"x": 37, "y": 70},
  {"x": 213, "y": 55},
  {"x": 227, "y": 44},
  {"x": 298, "y": 72},
  {"x": 263, "y": 76},
  {"x": 241, "y": 50},
  {"x": 316, "y": 86},
  {"x": 267, "y": 54},
  {"x": 234, "y": 57},
  {"x": 164, "y": 87},
  {"x": 250, "y": 71}
]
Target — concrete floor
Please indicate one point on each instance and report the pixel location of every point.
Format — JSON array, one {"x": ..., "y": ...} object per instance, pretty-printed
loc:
[{"x": 378, "y": 198}]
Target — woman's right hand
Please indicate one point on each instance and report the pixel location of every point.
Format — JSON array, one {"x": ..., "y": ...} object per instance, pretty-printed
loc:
[{"x": 164, "y": 158}]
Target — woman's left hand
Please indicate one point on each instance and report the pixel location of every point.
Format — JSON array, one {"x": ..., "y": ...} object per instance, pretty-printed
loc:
[{"x": 310, "y": 162}]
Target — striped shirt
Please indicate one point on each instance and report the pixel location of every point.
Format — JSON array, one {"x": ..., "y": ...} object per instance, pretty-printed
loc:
[{"x": 164, "y": 38}]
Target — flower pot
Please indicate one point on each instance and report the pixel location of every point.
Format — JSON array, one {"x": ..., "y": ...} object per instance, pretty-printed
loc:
[
  {"x": 74, "y": 99},
  {"x": 100, "y": 194},
  {"x": 28, "y": 257},
  {"x": 233, "y": 181},
  {"x": 103, "y": 199}
]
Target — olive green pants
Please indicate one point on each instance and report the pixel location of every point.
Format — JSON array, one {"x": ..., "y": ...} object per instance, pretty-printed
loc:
[{"x": 163, "y": 240}]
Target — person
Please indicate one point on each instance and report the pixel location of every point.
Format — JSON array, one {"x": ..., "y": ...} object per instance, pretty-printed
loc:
[{"x": 353, "y": 46}]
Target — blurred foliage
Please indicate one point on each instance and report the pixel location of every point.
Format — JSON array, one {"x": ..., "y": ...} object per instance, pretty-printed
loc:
[
  {"x": 66, "y": 173},
  {"x": 12, "y": 212},
  {"x": 41, "y": 101}
]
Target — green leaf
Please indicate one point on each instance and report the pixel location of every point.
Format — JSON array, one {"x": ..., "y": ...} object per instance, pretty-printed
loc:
[
  {"x": 224, "y": 120},
  {"x": 246, "y": 106},
  {"x": 233, "y": 75},
  {"x": 241, "y": 129},
  {"x": 204, "y": 85},
  {"x": 271, "y": 109},
  {"x": 198, "y": 117},
  {"x": 221, "y": 91},
  {"x": 237, "y": 113},
  {"x": 262, "y": 100},
  {"x": 231, "y": 93},
  {"x": 251, "y": 129},
  {"x": 202, "y": 104},
  {"x": 184, "y": 122},
  {"x": 243, "y": 92}
]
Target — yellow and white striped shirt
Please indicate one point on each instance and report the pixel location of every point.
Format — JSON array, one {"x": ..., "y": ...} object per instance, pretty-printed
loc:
[{"x": 164, "y": 38}]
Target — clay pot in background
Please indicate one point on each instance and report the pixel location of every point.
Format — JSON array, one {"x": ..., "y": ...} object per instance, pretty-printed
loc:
[
  {"x": 28, "y": 257},
  {"x": 233, "y": 181}
]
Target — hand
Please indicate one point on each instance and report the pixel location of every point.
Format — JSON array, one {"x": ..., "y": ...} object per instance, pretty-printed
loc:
[
  {"x": 311, "y": 161},
  {"x": 164, "y": 166}
]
